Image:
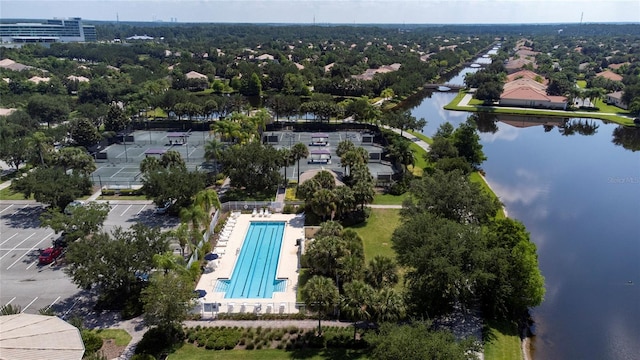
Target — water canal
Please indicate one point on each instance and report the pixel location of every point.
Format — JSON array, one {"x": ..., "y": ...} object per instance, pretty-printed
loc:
[{"x": 579, "y": 196}]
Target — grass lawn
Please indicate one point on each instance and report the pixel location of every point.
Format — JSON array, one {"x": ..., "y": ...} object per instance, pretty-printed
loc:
[
  {"x": 421, "y": 136},
  {"x": 582, "y": 84},
  {"x": 7, "y": 194},
  {"x": 191, "y": 352},
  {"x": 420, "y": 161},
  {"x": 121, "y": 337},
  {"x": 376, "y": 232},
  {"x": 501, "y": 341},
  {"x": 157, "y": 112},
  {"x": 606, "y": 108},
  {"x": 388, "y": 199}
]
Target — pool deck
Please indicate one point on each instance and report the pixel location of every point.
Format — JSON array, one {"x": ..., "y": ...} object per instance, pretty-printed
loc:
[{"x": 222, "y": 268}]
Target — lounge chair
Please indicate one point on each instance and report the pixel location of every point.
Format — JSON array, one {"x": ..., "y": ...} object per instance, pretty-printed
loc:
[
  {"x": 261, "y": 213},
  {"x": 243, "y": 307},
  {"x": 267, "y": 213},
  {"x": 230, "y": 307},
  {"x": 269, "y": 308},
  {"x": 254, "y": 213},
  {"x": 257, "y": 308}
]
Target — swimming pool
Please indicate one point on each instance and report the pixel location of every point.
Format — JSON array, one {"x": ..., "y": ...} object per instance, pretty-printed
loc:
[{"x": 254, "y": 275}]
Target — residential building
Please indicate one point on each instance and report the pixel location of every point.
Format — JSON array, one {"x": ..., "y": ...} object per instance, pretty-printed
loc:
[
  {"x": 527, "y": 92},
  {"x": 615, "y": 98},
  {"x": 51, "y": 31}
]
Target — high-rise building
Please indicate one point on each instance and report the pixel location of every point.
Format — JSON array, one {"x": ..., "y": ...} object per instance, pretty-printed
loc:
[{"x": 56, "y": 30}]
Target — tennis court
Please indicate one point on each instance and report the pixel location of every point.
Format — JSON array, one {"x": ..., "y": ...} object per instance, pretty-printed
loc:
[{"x": 118, "y": 165}]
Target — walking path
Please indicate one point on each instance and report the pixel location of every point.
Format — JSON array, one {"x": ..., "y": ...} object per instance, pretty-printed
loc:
[{"x": 411, "y": 137}]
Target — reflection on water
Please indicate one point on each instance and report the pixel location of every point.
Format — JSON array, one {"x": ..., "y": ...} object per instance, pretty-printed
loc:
[
  {"x": 579, "y": 197},
  {"x": 627, "y": 137}
]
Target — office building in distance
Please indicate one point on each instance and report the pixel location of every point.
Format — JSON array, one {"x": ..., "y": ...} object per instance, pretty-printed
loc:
[{"x": 51, "y": 31}]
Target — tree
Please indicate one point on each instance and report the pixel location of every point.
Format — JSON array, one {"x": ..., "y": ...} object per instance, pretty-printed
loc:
[
  {"x": 167, "y": 300},
  {"x": 172, "y": 185},
  {"x": 76, "y": 159},
  {"x": 382, "y": 272},
  {"x": 299, "y": 151},
  {"x": 207, "y": 199},
  {"x": 321, "y": 295},
  {"x": 48, "y": 109},
  {"x": 251, "y": 86},
  {"x": 111, "y": 262},
  {"x": 417, "y": 342},
  {"x": 445, "y": 259},
  {"x": 489, "y": 92},
  {"x": 14, "y": 151},
  {"x": 363, "y": 185},
  {"x": 80, "y": 223},
  {"x": 388, "y": 306},
  {"x": 254, "y": 166},
  {"x": 452, "y": 196},
  {"x": 84, "y": 133},
  {"x": 213, "y": 151},
  {"x": 173, "y": 159},
  {"x": 356, "y": 302},
  {"x": 441, "y": 148},
  {"x": 516, "y": 283},
  {"x": 42, "y": 145},
  {"x": 403, "y": 120},
  {"x": 116, "y": 120},
  {"x": 324, "y": 203},
  {"x": 400, "y": 151},
  {"x": 467, "y": 141},
  {"x": 52, "y": 186}
]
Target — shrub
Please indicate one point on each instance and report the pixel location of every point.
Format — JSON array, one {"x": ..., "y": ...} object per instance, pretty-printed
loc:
[
  {"x": 210, "y": 344},
  {"x": 288, "y": 209},
  {"x": 159, "y": 340},
  {"x": 92, "y": 342},
  {"x": 250, "y": 346}
]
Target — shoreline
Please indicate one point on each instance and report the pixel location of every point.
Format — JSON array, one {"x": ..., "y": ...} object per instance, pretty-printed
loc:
[
  {"x": 457, "y": 104},
  {"x": 504, "y": 208}
]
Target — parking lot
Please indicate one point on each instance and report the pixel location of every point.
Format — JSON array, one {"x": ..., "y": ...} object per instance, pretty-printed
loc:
[{"x": 25, "y": 283}]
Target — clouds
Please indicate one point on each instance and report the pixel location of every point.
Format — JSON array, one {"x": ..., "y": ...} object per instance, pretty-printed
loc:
[{"x": 331, "y": 11}]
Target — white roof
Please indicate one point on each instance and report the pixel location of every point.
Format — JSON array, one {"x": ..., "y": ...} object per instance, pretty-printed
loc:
[{"x": 28, "y": 336}]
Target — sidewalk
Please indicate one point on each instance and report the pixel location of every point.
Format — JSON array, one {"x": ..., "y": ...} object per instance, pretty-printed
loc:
[{"x": 409, "y": 136}]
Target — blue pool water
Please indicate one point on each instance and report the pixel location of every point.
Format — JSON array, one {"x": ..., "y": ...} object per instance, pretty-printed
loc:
[{"x": 254, "y": 275}]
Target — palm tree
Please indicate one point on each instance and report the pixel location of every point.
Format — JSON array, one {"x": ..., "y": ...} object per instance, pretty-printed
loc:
[
  {"x": 321, "y": 295},
  {"x": 213, "y": 151},
  {"x": 349, "y": 268},
  {"x": 401, "y": 152},
  {"x": 207, "y": 199},
  {"x": 41, "y": 143},
  {"x": 299, "y": 151},
  {"x": 388, "y": 305},
  {"x": 344, "y": 147},
  {"x": 195, "y": 216},
  {"x": 382, "y": 272},
  {"x": 324, "y": 203},
  {"x": 356, "y": 302},
  {"x": 181, "y": 233}
]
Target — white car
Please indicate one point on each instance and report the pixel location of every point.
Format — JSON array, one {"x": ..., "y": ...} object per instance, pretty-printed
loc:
[
  {"x": 75, "y": 203},
  {"x": 163, "y": 209}
]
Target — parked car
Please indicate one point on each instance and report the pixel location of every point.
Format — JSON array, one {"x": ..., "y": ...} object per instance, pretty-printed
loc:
[
  {"x": 60, "y": 242},
  {"x": 75, "y": 203},
  {"x": 164, "y": 208},
  {"x": 48, "y": 255}
]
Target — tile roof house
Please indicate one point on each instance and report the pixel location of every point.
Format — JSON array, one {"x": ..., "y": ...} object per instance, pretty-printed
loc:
[
  {"x": 526, "y": 92},
  {"x": 77, "y": 78},
  {"x": 615, "y": 98},
  {"x": 195, "y": 75},
  {"x": 608, "y": 74},
  {"x": 14, "y": 66},
  {"x": 527, "y": 74},
  {"x": 38, "y": 79}
]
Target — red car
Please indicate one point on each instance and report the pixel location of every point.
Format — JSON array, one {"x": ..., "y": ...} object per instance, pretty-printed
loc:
[{"x": 48, "y": 255}]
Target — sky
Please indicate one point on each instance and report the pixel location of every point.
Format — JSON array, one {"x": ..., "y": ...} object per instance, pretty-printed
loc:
[{"x": 331, "y": 11}]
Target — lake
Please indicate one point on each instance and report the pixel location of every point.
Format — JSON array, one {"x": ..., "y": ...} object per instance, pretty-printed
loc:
[{"x": 579, "y": 197}]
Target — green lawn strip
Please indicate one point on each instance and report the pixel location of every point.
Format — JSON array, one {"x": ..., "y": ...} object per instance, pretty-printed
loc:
[
  {"x": 376, "y": 232},
  {"x": 121, "y": 337},
  {"x": 191, "y": 352},
  {"x": 501, "y": 341},
  {"x": 7, "y": 194},
  {"x": 388, "y": 199},
  {"x": 475, "y": 177},
  {"x": 421, "y": 136},
  {"x": 582, "y": 84},
  {"x": 601, "y": 115},
  {"x": 419, "y": 153},
  {"x": 606, "y": 108}
]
